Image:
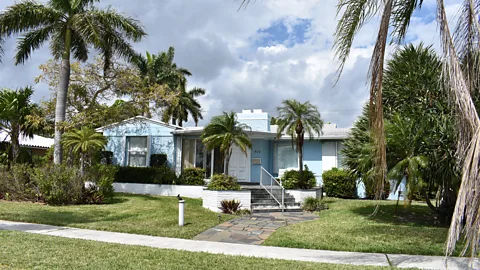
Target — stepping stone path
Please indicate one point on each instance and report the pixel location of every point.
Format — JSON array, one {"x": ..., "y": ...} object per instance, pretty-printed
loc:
[{"x": 253, "y": 229}]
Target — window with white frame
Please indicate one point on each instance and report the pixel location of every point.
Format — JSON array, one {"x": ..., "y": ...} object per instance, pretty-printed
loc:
[
  {"x": 285, "y": 157},
  {"x": 137, "y": 151}
]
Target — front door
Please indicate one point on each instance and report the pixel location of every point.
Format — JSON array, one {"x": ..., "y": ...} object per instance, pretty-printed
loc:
[{"x": 239, "y": 165}]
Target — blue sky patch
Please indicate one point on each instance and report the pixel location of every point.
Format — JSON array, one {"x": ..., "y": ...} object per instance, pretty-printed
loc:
[{"x": 285, "y": 32}]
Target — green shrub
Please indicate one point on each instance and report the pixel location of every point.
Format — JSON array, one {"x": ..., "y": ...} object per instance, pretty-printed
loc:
[
  {"x": 229, "y": 206},
  {"x": 146, "y": 175},
  {"x": 193, "y": 176},
  {"x": 370, "y": 189},
  {"x": 291, "y": 179},
  {"x": 223, "y": 182},
  {"x": 59, "y": 184},
  {"x": 339, "y": 183},
  {"x": 103, "y": 157},
  {"x": 16, "y": 183},
  {"x": 312, "y": 204},
  {"x": 158, "y": 160},
  {"x": 101, "y": 178}
]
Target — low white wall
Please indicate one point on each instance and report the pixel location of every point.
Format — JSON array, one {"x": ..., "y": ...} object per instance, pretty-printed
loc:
[
  {"x": 301, "y": 194},
  {"x": 160, "y": 190},
  {"x": 212, "y": 198}
]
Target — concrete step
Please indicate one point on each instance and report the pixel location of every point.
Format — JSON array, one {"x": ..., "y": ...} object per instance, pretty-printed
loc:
[
  {"x": 271, "y": 201},
  {"x": 260, "y": 209},
  {"x": 267, "y": 196},
  {"x": 270, "y": 205}
]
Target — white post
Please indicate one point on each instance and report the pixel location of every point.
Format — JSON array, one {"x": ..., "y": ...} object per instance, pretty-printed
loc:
[{"x": 181, "y": 212}]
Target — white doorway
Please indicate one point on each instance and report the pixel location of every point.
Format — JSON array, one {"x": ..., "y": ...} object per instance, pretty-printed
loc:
[{"x": 239, "y": 165}]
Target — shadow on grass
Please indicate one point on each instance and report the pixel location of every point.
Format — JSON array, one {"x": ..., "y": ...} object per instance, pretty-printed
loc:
[{"x": 412, "y": 215}]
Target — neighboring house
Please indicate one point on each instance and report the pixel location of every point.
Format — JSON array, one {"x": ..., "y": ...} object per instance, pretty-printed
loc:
[
  {"x": 36, "y": 146},
  {"x": 134, "y": 140}
]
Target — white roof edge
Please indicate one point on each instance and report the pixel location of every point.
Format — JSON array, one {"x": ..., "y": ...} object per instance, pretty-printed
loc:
[{"x": 100, "y": 129}]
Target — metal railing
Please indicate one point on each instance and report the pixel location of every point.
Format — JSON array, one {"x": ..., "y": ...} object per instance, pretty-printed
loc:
[{"x": 269, "y": 183}]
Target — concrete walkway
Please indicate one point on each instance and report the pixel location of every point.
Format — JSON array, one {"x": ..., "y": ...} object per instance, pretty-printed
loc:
[
  {"x": 336, "y": 257},
  {"x": 253, "y": 229}
]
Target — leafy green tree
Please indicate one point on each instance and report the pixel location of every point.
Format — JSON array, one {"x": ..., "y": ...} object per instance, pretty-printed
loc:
[
  {"x": 224, "y": 131},
  {"x": 15, "y": 108},
  {"x": 404, "y": 139},
  {"x": 84, "y": 141},
  {"x": 185, "y": 106},
  {"x": 420, "y": 124},
  {"x": 161, "y": 77},
  {"x": 295, "y": 119},
  {"x": 72, "y": 27}
]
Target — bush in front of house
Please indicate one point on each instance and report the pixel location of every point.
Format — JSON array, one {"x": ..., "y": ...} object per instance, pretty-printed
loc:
[
  {"x": 193, "y": 176},
  {"x": 146, "y": 175},
  {"x": 101, "y": 178},
  {"x": 291, "y": 179},
  {"x": 312, "y": 204},
  {"x": 223, "y": 182},
  {"x": 16, "y": 184},
  {"x": 339, "y": 183},
  {"x": 59, "y": 185},
  {"x": 158, "y": 160}
]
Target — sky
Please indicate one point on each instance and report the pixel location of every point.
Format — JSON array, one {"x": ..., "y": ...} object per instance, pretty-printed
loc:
[{"x": 251, "y": 58}]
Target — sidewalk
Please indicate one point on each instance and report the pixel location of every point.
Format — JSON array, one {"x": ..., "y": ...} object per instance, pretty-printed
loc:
[{"x": 336, "y": 257}]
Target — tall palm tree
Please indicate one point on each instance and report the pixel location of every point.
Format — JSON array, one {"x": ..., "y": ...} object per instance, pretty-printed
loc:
[
  {"x": 72, "y": 27},
  {"x": 84, "y": 141},
  {"x": 15, "y": 107},
  {"x": 224, "y": 131},
  {"x": 160, "y": 70},
  {"x": 186, "y": 105},
  {"x": 295, "y": 119}
]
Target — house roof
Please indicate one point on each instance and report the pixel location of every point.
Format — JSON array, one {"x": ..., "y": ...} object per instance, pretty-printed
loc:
[
  {"x": 35, "y": 142},
  {"x": 138, "y": 118},
  {"x": 330, "y": 132}
]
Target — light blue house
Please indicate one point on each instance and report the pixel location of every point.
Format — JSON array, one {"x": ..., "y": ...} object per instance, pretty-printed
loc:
[{"x": 134, "y": 140}]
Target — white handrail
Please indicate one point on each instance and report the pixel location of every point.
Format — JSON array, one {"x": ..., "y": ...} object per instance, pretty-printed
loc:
[{"x": 272, "y": 179}]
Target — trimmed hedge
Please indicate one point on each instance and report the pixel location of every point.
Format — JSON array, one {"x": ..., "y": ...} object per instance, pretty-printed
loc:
[
  {"x": 193, "y": 176},
  {"x": 146, "y": 175},
  {"x": 158, "y": 160},
  {"x": 339, "y": 183},
  {"x": 223, "y": 182},
  {"x": 291, "y": 179}
]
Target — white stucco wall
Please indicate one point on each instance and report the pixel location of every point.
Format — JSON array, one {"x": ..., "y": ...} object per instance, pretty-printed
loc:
[
  {"x": 159, "y": 190},
  {"x": 212, "y": 198},
  {"x": 300, "y": 195},
  {"x": 329, "y": 156}
]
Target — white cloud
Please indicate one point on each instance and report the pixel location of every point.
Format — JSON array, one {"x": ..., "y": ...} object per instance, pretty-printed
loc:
[{"x": 217, "y": 43}]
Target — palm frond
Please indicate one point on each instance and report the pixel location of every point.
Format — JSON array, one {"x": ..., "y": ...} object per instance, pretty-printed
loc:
[
  {"x": 32, "y": 41},
  {"x": 26, "y": 16},
  {"x": 355, "y": 14},
  {"x": 401, "y": 15},
  {"x": 466, "y": 215}
]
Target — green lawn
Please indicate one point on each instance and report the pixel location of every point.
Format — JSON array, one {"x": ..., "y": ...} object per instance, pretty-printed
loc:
[
  {"x": 29, "y": 251},
  {"x": 347, "y": 226},
  {"x": 128, "y": 213}
]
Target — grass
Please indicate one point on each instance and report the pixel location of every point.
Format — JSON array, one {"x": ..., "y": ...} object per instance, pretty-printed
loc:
[
  {"x": 136, "y": 214},
  {"x": 347, "y": 226},
  {"x": 29, "y": 251}
]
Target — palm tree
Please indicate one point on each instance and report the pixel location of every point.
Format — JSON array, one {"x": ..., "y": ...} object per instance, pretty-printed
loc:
[
  {"x": 404, "y": 136},
  {"x": 294, "y": 119},
  {"x": 73, "y": 27},
  {"x": 160, "y": 72},
  {"x": 224, "y": 131},
  {"x": 185, "y": 106},
  {"x": 84, "y": 141},
  {"x": 15, "y": 107}
]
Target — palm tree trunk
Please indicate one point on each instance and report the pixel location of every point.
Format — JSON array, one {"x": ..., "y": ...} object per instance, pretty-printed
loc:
[
  {"x": 227, "y": 160},
  {"x": 14, "y": 141},
  {"x": 174, "y": 121},
  {"x": 82, "y": 163},
  {"x": 300, "y": 159},
  {"x": 62, "y": 90}
]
